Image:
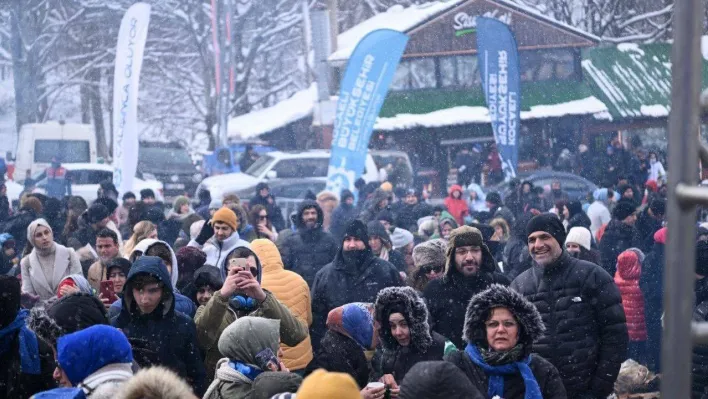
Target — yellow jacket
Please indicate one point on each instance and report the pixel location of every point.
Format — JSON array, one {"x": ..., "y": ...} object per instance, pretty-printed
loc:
[{"x": 292, "y": 291}]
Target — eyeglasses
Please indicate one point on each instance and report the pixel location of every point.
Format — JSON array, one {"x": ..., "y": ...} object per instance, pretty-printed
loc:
[
  {"x": 494, "y": 324},
  {"x": 263, "y": 217},
  {"x": 430, "y": 269}
]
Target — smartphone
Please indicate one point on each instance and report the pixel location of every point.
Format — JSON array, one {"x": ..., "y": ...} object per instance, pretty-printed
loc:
[
  {"x": 267, "y": 361},
  {"x": 108, "y": 291},
  {"x": 241, "y": 263}
]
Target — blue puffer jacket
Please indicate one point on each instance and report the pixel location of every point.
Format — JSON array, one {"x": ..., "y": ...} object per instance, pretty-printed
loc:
[{"x": 163, "y": 337}]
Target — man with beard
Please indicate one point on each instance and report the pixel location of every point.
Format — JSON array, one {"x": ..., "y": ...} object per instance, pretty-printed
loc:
[
  {"x": 470, "y": 268},
  {"x": 355, "y": 275},
  {"x": 310, "y": 248},
  {"x": 586, "y": 332},
  {"x": 108, "y": 249}
]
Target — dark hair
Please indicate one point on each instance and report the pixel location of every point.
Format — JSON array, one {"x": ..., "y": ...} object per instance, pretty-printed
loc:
[
  {"x": 75, "y": 207},
  {"x": 162, "y": 251},
  {"x": 204, "y": 195},
  {"x": 108, "y": 233},
  {"x": 254, "y": 216},
  {"x": 128, "y": 195},
  {"x": 143, "y": 279},
  {"x": 241, "y": 253},
  {"x": 147, "y": 193}
]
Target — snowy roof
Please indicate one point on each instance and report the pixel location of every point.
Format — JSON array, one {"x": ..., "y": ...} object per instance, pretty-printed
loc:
[
  {"x": 299, "y": 105},
  {"x": 634, "y": 80},
  {"x": 405, "y": 19}
]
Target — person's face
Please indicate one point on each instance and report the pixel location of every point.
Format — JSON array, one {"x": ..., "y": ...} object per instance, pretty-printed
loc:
[
  {"x": 555, "y": 186},
  {"x": 106, "y": 248},
  {"x": 498, "y": 233},
  {"x": 149, "y": 200},
  {"x": 502, "y": 330},
  {"x": 456, "y": 194},
  {"x": 544, "y": 248},
  {"x": 408, "y": 256},
  {"x": 382, "y": 204},
  {"x": 566, "y": 212},
  {"x": 263, "y": 217},
  {"x": 59, "y": 375},
  {"x": 411, "y": 199},
  {"x": 43, "y": 238},
  {"x": 399, "y": 329},
  {"x": 630, "y": 220},
  {"x": 349, "y": 201},
  {"x": 628, "y": 193},
  {"x": 473, "y": 196},
  {"x": 222, "y": 231},
  {"x": 129, "y": 202},
  {"x": 572, "y": 247},
  {"x": 153, "y": 234},
  {"x": 652, "y": 158},
  {"x": 184, "y": 208},
  {"x": 263, "y": 192},
  {"x": 526, "y": 188},
  {"x": 309, "y": 217},
  {"x": 10, "y": 252},
  {"x": 353, "y": 244},
  {"x": 118, "y": 277},
  {"x": 436, "y": 215},
  {"x": 148, "y": 298},
  {"x": 204, "y": 295},
  {"x": 375, "y": 244},
  {"x": 446, "y": 230},
  {"x": 433, "y": 272},
  {"x": 102, "y": 224},
  {"x": 468, "y": 260},
  {"x": 386, "y": 224}
]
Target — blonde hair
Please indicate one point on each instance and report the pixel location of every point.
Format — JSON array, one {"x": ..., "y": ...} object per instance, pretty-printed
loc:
[{"x": 141, "y": 231}]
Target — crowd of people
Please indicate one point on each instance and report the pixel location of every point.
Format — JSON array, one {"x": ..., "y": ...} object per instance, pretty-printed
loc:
[{"x": 369, "y": 295}]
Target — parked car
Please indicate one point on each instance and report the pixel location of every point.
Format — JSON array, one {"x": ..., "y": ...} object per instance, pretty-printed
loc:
[
  {"x": 278, "y": 165},
  {"x": 286, "y": 188},
  {"x": 577, "y": 187},
  {"x": 387, "y": 157},
  {"x": 169, "y": 163},
  {"x": 86, "y": 177},
  {"x": 226, "y": 159}
]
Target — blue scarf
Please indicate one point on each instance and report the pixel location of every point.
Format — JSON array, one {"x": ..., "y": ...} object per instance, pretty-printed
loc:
[
  {"x": 496, "y": 374},
  {"x": 251, "y": 372},
  {"x": 29, "y": 348}
]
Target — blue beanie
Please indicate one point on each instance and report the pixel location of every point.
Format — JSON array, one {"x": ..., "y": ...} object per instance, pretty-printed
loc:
[{"x": 84, "y": 352}]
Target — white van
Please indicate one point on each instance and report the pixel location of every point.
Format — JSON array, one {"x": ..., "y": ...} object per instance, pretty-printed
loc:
[{"x": 38, "y": 143}]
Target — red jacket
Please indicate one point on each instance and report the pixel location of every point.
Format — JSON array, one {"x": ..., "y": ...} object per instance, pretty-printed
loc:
[
  {"x": 457, "y": 207},
  {"x": 629, "y": 269}
]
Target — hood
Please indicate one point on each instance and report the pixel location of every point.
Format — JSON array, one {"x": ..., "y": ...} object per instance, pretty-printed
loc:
[
  {"x": 258, "y": 263},
  {"x": 147, "y": 243},
  {"x": 497, "y": 295},
  {"x": 377, "y": 196},
  {"x": 446, "y": 217},
  {"x": 629, "y": 265},
  {"x": 77, "y": 311},
  {"x": 437, "y": 380},
  {"x": 80, "y": 282},
  {"x": 155, "y": 267},
  {"x": 488, "y": 262},
  {"x": 84, "y": 352},
  {"x": 243, "y": 339},
  {"x": 376, "y": 229},
  {"x": 453, "y": 188},
  {"x": 481, "y": 196},
  {"x": 660, "y": 236},
  {"x": 267, "y": 253},
  {"x": 406, "y": 301},
  {"x": 208, "y": 275},
  {"x": 305, "y": 205},
  {"x": 601, "y": 194},
  {"x": 356, "y": 321}
]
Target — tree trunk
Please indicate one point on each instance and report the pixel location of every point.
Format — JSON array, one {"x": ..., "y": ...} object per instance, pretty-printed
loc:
[
  {"x": 109, "y": 73},
  {"x": 85, "y": 104},
  {"x": 25, "y": 87},
  {"x": 97, "y": 113}
]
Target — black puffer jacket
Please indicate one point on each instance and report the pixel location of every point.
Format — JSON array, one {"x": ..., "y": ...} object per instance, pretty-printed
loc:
[
  {"x": 17, "y": 227},
  {"x": 699, "y": 366},
  {"x": 438, "y": 380},
  {"x": 308, "y": 250},
  {"x": 586, "y": 331},
  {"x": 647, "y": 226},
  {"x": 339, "y": 353},
  {"x": 447, "y": 297},
  {"x": 516, "y": 255},
  {"x": 618, "y": 238},
  {"x": 390, "y": 356},
  {"x": 531, "y": 328}
]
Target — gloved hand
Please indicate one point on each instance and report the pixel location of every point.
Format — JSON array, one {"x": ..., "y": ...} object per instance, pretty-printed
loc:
[{"x": 205, "y": 234}]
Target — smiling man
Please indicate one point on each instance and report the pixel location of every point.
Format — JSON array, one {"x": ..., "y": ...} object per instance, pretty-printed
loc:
[
  {"x": 586, "y": 332},
  {"x": 469, "y": 270}
]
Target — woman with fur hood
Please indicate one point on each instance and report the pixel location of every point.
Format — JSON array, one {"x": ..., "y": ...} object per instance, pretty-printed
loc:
[
  {"x": 405, "y": 335},
  {"x": 500, "y": 328}
]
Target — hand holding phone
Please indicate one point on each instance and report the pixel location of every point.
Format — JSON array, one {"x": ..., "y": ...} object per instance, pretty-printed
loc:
[{"x": 107, "y": 291}]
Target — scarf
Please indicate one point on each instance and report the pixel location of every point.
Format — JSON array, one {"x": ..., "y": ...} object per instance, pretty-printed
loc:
[
  {"x": 29, "y": 348},
  {"x": 384, "y": 253},
  {"x": 250, "y": 371},
  {"x": 496, "y": 374}
]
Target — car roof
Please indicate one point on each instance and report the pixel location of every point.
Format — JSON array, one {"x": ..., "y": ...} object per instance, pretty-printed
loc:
[
  {"x": 90, "y": 166},
  {"x": 285, "y": 182},
  {"x": 299, "y": 154}
]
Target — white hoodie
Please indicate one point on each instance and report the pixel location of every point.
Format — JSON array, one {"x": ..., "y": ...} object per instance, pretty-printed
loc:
[{"x": 216, "y": 252}]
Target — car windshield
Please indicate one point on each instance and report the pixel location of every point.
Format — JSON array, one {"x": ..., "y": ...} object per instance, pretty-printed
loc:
[
  {"x": 159, "y": 157},
  {"x": 68, "y": 151},
  {"x": 260, "y": 166},
  {"x": 387, "y": 159}
]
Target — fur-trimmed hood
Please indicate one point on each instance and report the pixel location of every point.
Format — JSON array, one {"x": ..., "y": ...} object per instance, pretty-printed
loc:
[
  {"x": 156, "y": 382},
  {"x": 464, "y": 236},
  {"x": 406, "y": 301},
  {"x": 496, "y": 296}
]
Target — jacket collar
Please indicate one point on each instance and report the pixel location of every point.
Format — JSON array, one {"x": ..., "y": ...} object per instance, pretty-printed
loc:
[{"x": 116, "y": 372}]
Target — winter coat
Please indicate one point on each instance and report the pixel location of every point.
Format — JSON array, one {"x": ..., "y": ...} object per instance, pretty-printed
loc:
[
  {"x": 457, "y": 206},
  {"x": 447, "y": 297},
  {"x": 586, "y": 331},
  {"x": 337, "y": 284},
  {"x": 155, "y": 382},
  {"x": 341, "y": 216},
  {"x": 390, "y": 356},
  {"x": 17, "y": 227},
  {"x": 437, "y": 380},
  {"x": 652, "y": 285},
  {"x": 274, "y": 212},
  {"x": 407, "y": 217},
  {"x": 16, "y": 384},
  {"x": 629, "y": 269},
  {"x": 599, "y": 215},
  {"x": 213, "y": 318},
  {"x": 216, "y": 251},
  {"x": 169, "y": 338},
  {"x": 699, "y": 366},
  {"x": 339, "y": 353},
  {"x": 34, "y": 280},
  {"x": 371, "y": 206},
  {"x": 647, "y": 226},
  {"x": 292, "y": 291},
  {"x": 618, "y": 237},
  {"x": 308, "y": 250}
]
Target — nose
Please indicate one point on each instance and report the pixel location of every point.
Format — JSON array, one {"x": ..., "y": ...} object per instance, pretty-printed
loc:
[{"x": 56, "y": 374}]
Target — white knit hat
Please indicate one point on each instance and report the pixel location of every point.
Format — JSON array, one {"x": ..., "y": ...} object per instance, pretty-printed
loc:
[{"x": 580, "y": 236}]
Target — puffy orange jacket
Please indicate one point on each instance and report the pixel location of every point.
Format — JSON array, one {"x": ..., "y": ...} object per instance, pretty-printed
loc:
[{"x": 292, "y": 291}]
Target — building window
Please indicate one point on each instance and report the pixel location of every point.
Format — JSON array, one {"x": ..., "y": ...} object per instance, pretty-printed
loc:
[
  {"x": 415, "y": 74},
  {"x": 541, "y": 65}
]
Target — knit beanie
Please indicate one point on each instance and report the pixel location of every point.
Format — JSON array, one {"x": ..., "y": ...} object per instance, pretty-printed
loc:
[
  {"x": 400, "y": 238},
  {"x": 32, "y": 203},
  {"x": 78, "y": 311},
  {"x": 430, "y": 253},
  {"x": 32, "y": 228},
  {"x": 580, "y": 236},
  {"x": 322, "y": 384},
  {"x": 190, "y": 259},
  {"x": 702, "y": 258},
  {"x": 226, "y": 216},
  {"x": 121, "y": 263},
  {"x": 385, "y": 215},
  {"x": 494, "y": 198},
  {"x": 96, "y": 213},
  {"x": 346, "y": 194},
  {"x": 357, "y": 229},
  {"x": 215, "y": 204},
  {"x": 658, "y": 207},
  {"x": 108, "y": 203},
  {"x": 550, "y": 224},
  {"x": 386, "y": 186},
  {"x": 9, "y": 300},
  {"x": 623, "y": 209},
  {"x": 464, "y": 236}
]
